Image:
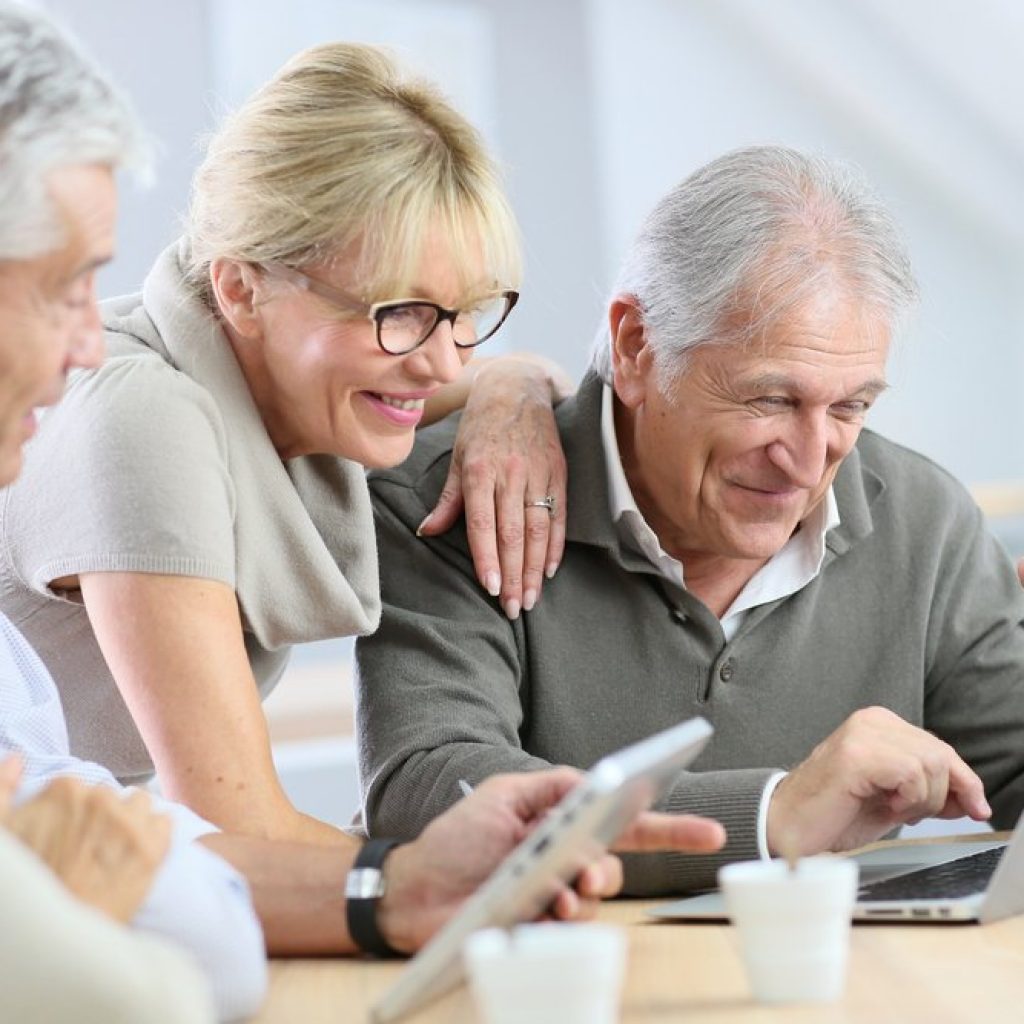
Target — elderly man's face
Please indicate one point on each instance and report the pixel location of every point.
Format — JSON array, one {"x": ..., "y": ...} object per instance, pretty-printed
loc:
[
  {"x": 726, "y": 462},
  {"x": 48, "y": 317}
]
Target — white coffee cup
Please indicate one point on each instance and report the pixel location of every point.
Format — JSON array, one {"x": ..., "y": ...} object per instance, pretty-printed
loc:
[
  {"x": 793, "y": 925},
  {"x": 547, "y": 973}
]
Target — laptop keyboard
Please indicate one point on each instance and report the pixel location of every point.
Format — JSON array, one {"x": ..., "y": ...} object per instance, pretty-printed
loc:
[{"x": 963, "y": 877}]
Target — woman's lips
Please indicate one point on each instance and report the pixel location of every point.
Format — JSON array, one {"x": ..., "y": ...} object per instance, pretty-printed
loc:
[{"x": 402, "y": 410}]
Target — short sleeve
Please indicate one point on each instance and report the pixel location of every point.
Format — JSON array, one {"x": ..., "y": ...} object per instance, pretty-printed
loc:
[{"x": 128, "y": 473}]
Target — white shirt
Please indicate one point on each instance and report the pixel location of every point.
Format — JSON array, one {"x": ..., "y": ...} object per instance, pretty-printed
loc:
[
  {"x": 60, "y": 960},
  {"x": 789, "y": 570},
  {"x": 197, "y": 900}
]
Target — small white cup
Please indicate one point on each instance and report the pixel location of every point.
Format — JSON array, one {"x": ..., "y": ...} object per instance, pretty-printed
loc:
[
  {"x": 794, "y": 926},
  {"x": 547, "y": 973}
]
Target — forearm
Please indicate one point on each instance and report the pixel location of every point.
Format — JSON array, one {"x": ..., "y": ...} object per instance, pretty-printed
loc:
[
  {"x": 403, "y": 798},
  {"x": 731, "y": 798},
  {"x": 254, "y": 805},
  {"x": 176, "y": 649},
  {"x": 298, "y": 890}
]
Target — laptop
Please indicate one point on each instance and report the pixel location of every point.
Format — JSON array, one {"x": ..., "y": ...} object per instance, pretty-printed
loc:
[
  {"x": 584, "y": 823},
  {"x": 979, "y": 881}
]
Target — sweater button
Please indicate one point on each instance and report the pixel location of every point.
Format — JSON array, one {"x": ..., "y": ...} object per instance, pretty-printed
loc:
[{"x": 725, "y": 673}]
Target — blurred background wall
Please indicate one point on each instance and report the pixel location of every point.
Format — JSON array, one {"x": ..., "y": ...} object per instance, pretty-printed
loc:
[{"x": 595, "y": 107}]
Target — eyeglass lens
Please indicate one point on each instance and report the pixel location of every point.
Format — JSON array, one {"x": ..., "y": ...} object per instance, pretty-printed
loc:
[{"x": 402, "y": 328}]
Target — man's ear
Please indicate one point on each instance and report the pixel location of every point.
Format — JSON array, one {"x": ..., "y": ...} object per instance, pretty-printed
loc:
[
  {"x": 234, "y": 290},
  {"x": 632, "y": 359}
]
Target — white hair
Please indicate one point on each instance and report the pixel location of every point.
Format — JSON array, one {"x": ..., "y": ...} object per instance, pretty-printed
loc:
[
  {"x": 749, "y": 237},
  {"x": 56, "y": 110}
]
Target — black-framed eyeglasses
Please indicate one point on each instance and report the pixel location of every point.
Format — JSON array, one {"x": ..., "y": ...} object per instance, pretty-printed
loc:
[{"x": 404, "y": 324}]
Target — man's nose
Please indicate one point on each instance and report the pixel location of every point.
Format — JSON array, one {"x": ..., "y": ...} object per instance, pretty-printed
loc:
[{"x": 801, "y": 450}]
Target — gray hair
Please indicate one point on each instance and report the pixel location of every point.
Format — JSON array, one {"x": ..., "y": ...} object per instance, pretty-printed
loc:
[
  {"x": 749, "y": 237},
  {"x": 56, "y": 110}
]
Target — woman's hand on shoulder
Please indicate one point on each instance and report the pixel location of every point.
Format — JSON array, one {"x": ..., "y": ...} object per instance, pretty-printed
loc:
[{"x": 508, "y": 475}]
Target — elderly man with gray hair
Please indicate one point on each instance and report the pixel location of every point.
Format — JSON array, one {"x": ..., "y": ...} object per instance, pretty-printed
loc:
[
  {"x": 79, "y": 860},
  {"x": 739, "y": 547}
]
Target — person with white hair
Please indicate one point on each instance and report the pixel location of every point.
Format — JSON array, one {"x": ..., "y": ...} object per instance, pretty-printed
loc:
[
  {"x": 739, "y": 546},
  {"x": 63, "y": 131}
]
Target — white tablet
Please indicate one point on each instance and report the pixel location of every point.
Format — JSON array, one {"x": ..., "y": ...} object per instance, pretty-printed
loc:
[{"x": 575, "y": 833}]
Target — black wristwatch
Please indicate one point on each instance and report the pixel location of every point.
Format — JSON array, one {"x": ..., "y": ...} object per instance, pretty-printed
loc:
[{"x": 364, "y": 887}]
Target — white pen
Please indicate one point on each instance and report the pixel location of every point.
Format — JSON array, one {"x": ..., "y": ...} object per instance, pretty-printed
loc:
[{"x": 465, "y": 787}]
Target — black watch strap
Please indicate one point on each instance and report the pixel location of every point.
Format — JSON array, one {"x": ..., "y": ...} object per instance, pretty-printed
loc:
[{"x": 364, "y": 887}]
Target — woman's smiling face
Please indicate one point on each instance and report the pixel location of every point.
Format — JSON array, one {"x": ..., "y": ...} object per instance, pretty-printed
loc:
[{"x": 321, "y": 381}]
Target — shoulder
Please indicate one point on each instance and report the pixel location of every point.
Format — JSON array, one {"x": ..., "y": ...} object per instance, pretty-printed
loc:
[
  {"x": 907, "y": 475},
  {"x": 412, "y": 488},
  {"x": 137, "y": 391},
  {"x": 129, "y": 469},
  {"x": 135, "y": 429},
  {"x": 132, "y": 419},
  {"x": 912, "y": 507}
]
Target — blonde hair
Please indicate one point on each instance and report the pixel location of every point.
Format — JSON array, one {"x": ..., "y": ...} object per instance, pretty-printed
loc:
[{"x": 341, "y": 153}]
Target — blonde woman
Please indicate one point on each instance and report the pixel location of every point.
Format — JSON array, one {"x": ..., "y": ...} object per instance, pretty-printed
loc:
[{"x": 197, "y": 505}]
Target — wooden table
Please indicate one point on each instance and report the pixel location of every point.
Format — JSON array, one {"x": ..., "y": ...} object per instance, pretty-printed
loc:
[{"x": 898, "y": 974}]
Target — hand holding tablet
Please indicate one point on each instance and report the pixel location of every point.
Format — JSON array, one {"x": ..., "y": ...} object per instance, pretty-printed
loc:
[{"x": 571, "y": 836}]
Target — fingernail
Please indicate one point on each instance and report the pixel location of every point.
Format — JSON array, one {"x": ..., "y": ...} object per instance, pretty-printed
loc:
[
  {"x": 529, "y": 600},
  {"x": 419, "y": 529},
  {"x": 512, "y": 609},
  {"x": 492, "y": 583},
  {"x": 551, "y": 569}
]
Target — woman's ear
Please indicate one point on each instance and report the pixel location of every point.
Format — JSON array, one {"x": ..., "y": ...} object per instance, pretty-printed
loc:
[
  {"x": 234, "y": 290},
  {"x": 632, "y": 358}
]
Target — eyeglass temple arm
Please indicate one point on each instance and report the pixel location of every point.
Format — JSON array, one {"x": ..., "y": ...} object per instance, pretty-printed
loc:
[{"x": 309, "y": 284}]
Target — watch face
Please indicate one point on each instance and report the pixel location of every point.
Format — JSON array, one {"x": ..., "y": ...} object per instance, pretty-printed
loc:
[
  {"x": 364, "y": 884},
  {"x": 364, "y": 887}
]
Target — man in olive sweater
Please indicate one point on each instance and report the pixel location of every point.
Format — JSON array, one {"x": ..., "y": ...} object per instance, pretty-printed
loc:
[{"x": 737, "y": 547}]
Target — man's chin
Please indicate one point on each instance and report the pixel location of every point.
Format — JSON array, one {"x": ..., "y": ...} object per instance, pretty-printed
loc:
[{"x": 761, "y": 541}]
